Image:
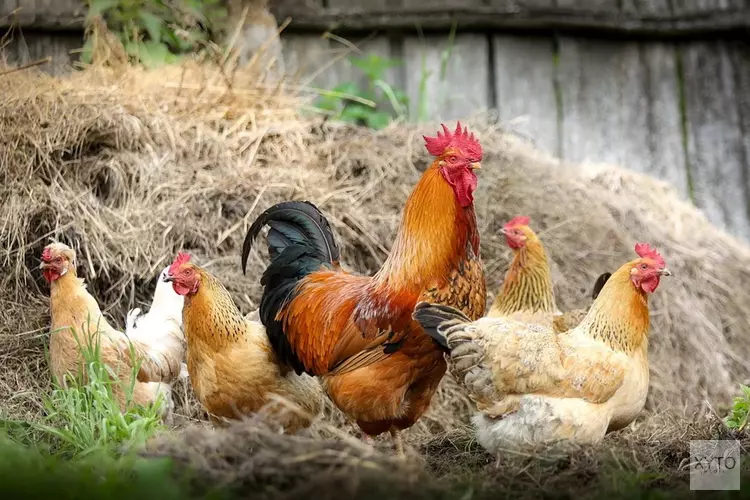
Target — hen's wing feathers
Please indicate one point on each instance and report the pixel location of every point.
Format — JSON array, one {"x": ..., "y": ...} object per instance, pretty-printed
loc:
[{"x": 527, "y": 359}]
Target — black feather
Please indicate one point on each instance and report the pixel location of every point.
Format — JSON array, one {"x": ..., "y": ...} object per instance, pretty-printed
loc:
[
  {"x": 296, "y": 220},
  {"x": 600, "y": 282},
  {"x": 300, "y": 242},
  {"x": 433, "y": 318}
]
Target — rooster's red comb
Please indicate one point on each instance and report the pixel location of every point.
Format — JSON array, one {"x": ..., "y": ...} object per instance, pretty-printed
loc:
[
  {"x": 520, "y": 220},
  {"x": 460, "y": 139},
  {"x": 47, "y": 254},
  {"x": 182, "y": 258},
  {"x": 644, "y": 251}
]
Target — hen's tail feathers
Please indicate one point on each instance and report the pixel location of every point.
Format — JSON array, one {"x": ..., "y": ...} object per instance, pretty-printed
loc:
[
  {"x": 300, "y": 242},
  {"x": 600, "y": 282},
  {"x": 293, "y": 223},
  {"x": 436, "y": 319}
]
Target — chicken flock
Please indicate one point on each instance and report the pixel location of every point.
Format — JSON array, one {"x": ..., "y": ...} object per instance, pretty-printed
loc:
[{"x": 378, "y": 346}]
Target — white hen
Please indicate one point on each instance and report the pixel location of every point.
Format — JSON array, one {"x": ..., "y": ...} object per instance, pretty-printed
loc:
[{"x": 161, "y": 327}]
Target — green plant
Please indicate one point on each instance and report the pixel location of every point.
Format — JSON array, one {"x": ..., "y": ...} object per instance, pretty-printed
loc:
[
  {"x": 740, "y": 411},
  {"x": 352, "y": 103},
  {"x": 157, "y": 32},
  {"x": 31, "y": 473},
  {"x": 82, "y": 413}
]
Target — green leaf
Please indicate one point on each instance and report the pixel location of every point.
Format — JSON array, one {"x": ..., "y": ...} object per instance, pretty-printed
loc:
[
  {"x": 152, "y": 24},
  {"x": 99, "y": 7},
  {"x": 373, "y": 66},
  {"x": 378, "y": 120},
  {"x": 328, "y": 103},
  {"x": 354, "y": 113},
  {"x": 348, "y": 88},
  {"x": 152, "y": 54},
  {"x": 87, "y": 50}
]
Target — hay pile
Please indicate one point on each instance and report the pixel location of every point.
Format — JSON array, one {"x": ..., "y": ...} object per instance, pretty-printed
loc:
[
  {"x": 329, "y": 464},
  {"x": 129, "y": 166}
]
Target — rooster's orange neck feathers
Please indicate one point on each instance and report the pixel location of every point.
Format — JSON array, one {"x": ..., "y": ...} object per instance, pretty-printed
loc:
[
  {"x": 528, "y": 284},
  {"x": 619, "y": 316},
  {"x": 434, "y": 234}
]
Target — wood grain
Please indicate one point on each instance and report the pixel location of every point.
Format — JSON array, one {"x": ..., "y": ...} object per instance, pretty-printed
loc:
[
  {"x": 716, "y": 144},
  {"x": 443, "y": 85},
  {"x": 524, "y": 88}
]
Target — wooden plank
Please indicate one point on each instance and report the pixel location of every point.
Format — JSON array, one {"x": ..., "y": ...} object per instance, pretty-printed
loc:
[
  {"x": 647, "y": 7},
  {"x": 308, "y": 59},
  {"x": 620, "y": 105},
  {"x": 590, "y": 6},
  {"x": 524, "y": 87},
  {"x": 740, "y": 56},
  {"x": 33, "y": 46},
  {"x": 633, "y": 17},
  {"x": 716, "y": 147},
  {"x": 372, "y": 5},
  {"x": 462, "y": 88},
  {"x": 603, "y": 103},
  {"x": 345, "y": 71},
  {"x": 664, "y": 119},
  {"x": 702, "y": 6},
  {"x": 44, "y": 14}
]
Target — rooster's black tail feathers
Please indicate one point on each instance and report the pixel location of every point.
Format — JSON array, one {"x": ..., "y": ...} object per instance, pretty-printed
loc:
[{"x": 300, "y": 242}]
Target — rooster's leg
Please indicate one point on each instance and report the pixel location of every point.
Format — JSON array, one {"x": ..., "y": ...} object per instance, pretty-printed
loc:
[{"x": 397, "y": 441}]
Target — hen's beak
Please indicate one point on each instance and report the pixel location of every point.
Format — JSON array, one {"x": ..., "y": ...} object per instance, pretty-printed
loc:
[
  {"x": 503, "y": 231},
  {"x": 476, "y": 166},
  {"x": 168, "y": 279},
  {"x": 666, "y": 272},
  {"x": 44, "y": 265}
]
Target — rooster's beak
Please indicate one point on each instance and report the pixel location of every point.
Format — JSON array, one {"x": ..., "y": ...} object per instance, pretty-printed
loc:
[
  {"x": 476, "y": 166},
  {"x": 503, "y": 231},
  {"x": 44, "y": 265},
  {"x": 168, "y": 279},
  {"x": 666, "y": 272}
]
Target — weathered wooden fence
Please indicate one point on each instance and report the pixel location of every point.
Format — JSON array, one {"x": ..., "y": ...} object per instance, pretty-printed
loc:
[{"x": 661, "y": 87}]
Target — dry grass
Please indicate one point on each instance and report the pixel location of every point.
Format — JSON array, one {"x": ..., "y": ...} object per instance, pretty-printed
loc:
[
  {"x": 129, "y": 166},
  {"x": 323, "y": 462}
]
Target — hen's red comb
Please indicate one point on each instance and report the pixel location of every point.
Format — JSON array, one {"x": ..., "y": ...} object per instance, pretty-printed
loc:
[
  {"x": 646, "y": 252},
  {"x": 460, "y": 139},
  {"x": 47, "y": 254},
  {"x": 182, "y": 258},
  {"x": 520, "y": 220}
]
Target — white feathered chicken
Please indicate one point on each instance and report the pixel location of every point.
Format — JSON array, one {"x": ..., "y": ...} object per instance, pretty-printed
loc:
[
  {"x": 163, "y": 322},
  {"x": 77, "y": 321}
]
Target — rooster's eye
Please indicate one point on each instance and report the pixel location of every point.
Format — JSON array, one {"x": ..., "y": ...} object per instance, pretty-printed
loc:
[
  {"x": 452, "y": 159},
  {"x": 644, "y": 266}
]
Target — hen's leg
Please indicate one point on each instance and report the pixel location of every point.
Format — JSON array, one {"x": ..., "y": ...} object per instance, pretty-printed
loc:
[{"x": 397, "y": 441}]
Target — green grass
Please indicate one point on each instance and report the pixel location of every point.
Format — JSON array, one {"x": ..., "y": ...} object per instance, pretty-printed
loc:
[
  {"x": 82, "y": 415},
  {"x": 31, "y": 473},
  {"x": 739, "y": 414}
]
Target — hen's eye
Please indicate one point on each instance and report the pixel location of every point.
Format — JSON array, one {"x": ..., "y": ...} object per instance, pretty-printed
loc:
[{"x": 644, "y": 266}]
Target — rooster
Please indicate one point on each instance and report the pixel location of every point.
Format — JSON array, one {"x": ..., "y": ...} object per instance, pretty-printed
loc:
[
  {"x": 163, "y": 320},
  {"x": 77, "y": 321},
  {"x": 231, "y": 364},
  {"x": 377, "y": 364},
  {"x": 527, "y": 293},
  {"x": 533, "y": 385}
]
